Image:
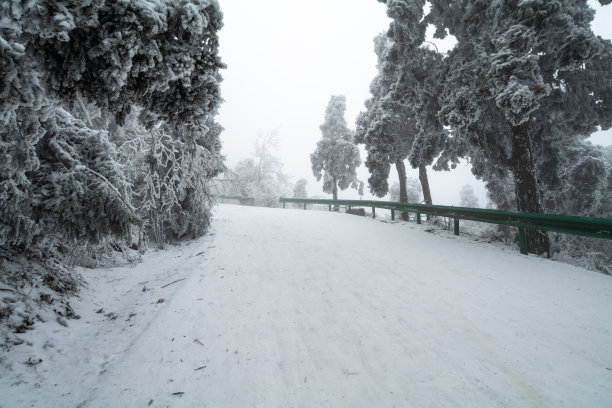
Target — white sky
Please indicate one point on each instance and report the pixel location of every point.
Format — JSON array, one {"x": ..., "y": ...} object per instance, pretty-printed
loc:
[{"x": 286, "y": 58}]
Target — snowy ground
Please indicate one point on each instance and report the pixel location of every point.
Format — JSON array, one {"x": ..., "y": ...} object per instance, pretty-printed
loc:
[{"x": 293, "y": 308}]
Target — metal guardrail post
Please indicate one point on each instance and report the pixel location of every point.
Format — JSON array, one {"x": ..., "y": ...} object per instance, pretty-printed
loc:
[
  {"x": 392, "y": 215},
  {"x": 522, "y": 240},
  {"x": 304, "y": 205},
  {"x": 330, "y": 207},
  {"x": 418, "y": 217},
  {"x": 373, "y": 212},
  {"x": 456, "y": 225},
  {"x": 284, "y": 204}
]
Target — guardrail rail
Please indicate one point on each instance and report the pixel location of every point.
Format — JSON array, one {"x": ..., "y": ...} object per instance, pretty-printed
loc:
[
  {"x": 567, "y": 224},
  {"x": 243, "y": 200}
]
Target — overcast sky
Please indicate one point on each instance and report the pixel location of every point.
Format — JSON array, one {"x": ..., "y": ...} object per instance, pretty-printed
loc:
[{"x": 286, "y": 58}]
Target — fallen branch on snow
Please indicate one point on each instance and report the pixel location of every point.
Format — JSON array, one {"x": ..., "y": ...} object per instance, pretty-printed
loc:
[{"x": 178, "y": 280}]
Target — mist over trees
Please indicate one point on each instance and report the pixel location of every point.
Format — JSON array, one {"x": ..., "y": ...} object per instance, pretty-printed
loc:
[
  {"x": 414, "y": 193},
  {"x": 518, "y": 95},
  {"x": 107, "y": 126},
  {"x": 336, "y": 157},
  {"x": 299, "y": 189},
  {"x": 467, "y": 197},
  {"x": 261, "y": 176}
]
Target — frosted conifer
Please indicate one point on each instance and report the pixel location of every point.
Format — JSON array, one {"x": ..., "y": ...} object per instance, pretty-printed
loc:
[{"x": 336, "y": 157}]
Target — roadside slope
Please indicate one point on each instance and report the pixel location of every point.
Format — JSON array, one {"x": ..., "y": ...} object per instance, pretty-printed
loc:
[{"x": 287, "y": 308}]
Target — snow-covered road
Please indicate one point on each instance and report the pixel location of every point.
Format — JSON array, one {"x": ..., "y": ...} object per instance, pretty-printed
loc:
[{"x": 293, "y": 308}]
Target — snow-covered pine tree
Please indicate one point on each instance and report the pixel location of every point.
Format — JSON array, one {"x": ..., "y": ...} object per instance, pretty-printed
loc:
[
  {"x": 159, "y": 55},
  {"x": 79, "y": 188},
  {"x": 386, "y": 128},
  {"x": 583, "y": 187},
  {"x": 145, "y": 53},
  {"x": 511, "y": 56},
  {"x": 394, "y": 192},
  {"x": 561, "y": 144},
  {"x": 170, "y": 170},
  {"x": 467, "y": 197},
  {"x": 201, "y": 161},
  {"x": 413, "y": 191},
  {"x": 410, "y": 83},
  {"x": 299, "y": 190},
  {"x": 23, "y": 101},
  {"x": 336, "y": 157}
]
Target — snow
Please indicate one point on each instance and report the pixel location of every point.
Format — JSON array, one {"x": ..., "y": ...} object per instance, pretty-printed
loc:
[{"x": 294, "y": 308}]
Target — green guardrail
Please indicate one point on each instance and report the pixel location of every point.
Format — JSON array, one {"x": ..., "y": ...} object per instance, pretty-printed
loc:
[
  {"x": 243, "y": 200},
  {"x": 567, "y": 224},
  {"x": 228, "y": 197}
]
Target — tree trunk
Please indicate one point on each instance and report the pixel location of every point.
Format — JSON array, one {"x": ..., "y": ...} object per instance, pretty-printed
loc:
[
  {"x": 401, "y": 173},
  {"x": 526, "y": 185},
  {"x": 335, "y": 194},
  {"x": 425, "y": 184}
]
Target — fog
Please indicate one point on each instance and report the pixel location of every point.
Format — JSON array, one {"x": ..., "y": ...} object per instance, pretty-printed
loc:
[{"x": 286, "y": 58}]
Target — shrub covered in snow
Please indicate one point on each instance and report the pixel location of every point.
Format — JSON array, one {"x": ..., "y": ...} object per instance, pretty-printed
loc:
[{"x": 70, "y": 175}]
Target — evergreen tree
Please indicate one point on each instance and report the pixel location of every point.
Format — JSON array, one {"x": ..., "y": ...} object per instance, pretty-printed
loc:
[
  {"x": 299, "y": 190},
  {"x": 336, "y": 157},
  {"x": 385, "y": 128},
  {"x": 416, "y": 90},
  {"x": 79, "y": 188},
  {"x": 467, "y": 198},
  {"x": 390, "y": 128},
  {"x": 584, "y": 181},
  {"x": 414, "y": 193},
  {"x": 60, "y": 173},
  {"x": 170, "y": 176},
  {"x": 513, "y": 70}
]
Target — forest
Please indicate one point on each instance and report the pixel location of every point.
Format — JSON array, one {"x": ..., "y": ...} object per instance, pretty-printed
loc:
[{"x": 109, "y": 140}]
